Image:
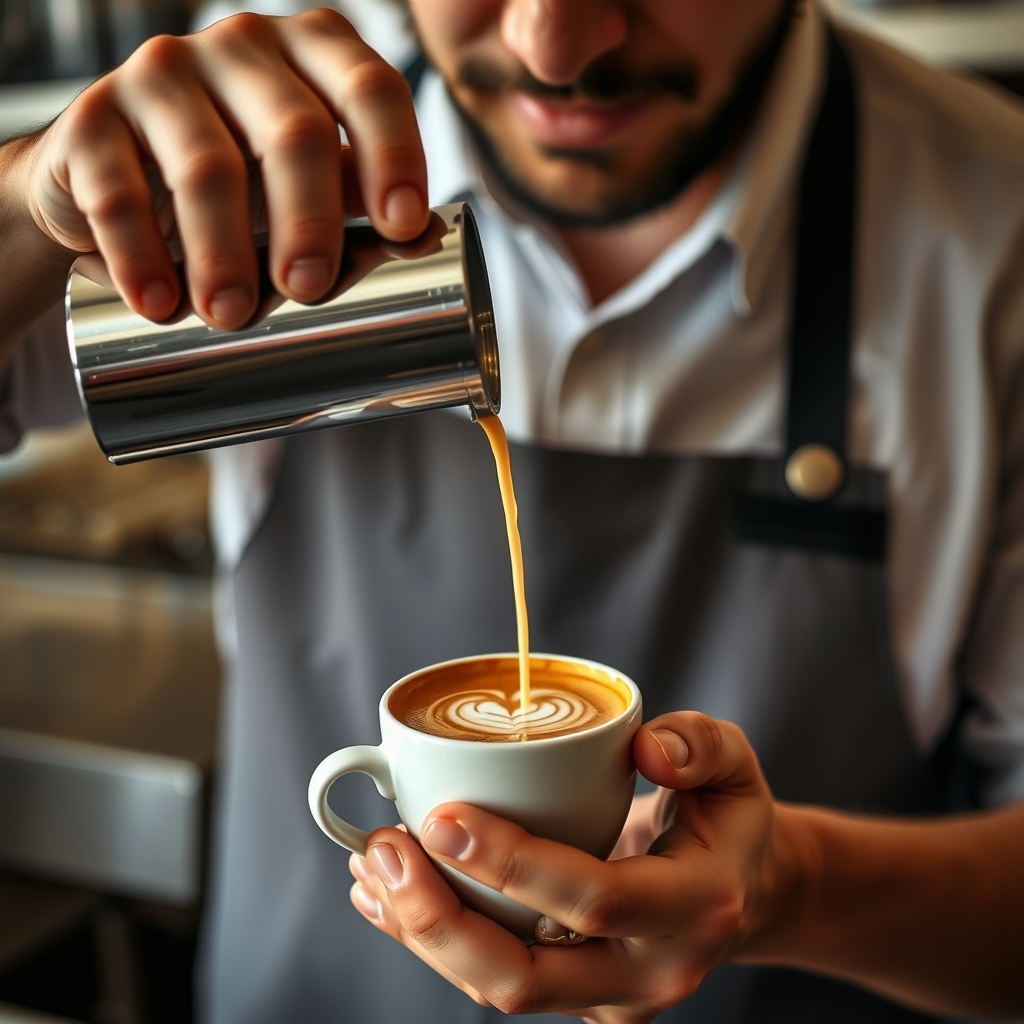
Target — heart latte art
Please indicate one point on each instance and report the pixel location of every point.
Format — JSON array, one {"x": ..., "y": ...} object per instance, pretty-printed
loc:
[
  {"x": 488, "y": 711},
  {"x": 480, "y": 701}
]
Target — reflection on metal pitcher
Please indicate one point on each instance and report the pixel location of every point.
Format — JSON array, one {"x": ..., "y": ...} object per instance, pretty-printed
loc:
[{"x": 408, "y": 326}]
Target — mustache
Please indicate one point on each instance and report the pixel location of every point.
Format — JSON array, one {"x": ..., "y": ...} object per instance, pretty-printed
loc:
[{"x": 601, "y": 81}]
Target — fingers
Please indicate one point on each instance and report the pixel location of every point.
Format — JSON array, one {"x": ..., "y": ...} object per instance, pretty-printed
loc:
[
  {"x": 631, "y": 897},
  {"x": 485, "y": 957},
  {"x": 294, "y": 139},
  {"x": 370, "y": 898},
  {"x": 643, "y": 825},
  {"x": 685, "y": 750},
  {"x": 421, "y": 911},
  {"x": 105, "y": 202},
  {"x": 201, "y": 108},
  {"x": 373, "y": 102},
  {"x": 175, "y": 119}
]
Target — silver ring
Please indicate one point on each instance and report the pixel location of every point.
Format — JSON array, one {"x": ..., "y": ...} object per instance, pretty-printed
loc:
[{"x": 549, "y": 932}]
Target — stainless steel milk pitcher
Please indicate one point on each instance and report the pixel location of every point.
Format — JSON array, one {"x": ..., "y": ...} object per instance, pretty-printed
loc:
[{"x": 407, "y": 327}]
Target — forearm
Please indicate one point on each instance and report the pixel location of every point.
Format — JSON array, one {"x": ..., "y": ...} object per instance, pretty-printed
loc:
[
  {"x": 928, "y": 913},
  {"x": 33, "y": 268}
]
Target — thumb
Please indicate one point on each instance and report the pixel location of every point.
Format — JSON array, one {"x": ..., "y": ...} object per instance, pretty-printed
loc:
[{"x": 685, "y": 750}]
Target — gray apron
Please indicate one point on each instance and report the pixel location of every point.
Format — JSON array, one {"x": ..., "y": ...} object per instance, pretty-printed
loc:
[{"x": 704, "y": 579}]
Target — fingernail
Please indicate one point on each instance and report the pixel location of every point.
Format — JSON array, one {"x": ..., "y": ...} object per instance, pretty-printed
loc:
[
  {"x": 158, "y": 300},
  {"x": 358, "y": 867},
  {"x": 231, "y": 307},
  {"x": 310, "y": 277},
  {"x": 448, "y": 837},
  {"x": 367, "y": 903},
  {"x": 387, "y": 864},
  {"x": 547, "y": 929},
  {"x": 548, "y": 932},
  {"x": 673, "y": 746},
  {"x": 404, "y": 207}
]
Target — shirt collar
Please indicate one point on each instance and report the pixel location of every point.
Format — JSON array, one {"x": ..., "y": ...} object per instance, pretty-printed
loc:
[
  {"x": 768, "y": 171},
  {"x": 453, "y": 168},
  {"x": 747, "y": 212}
]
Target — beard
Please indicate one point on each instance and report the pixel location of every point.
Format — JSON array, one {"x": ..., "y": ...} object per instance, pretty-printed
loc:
[{"x": 683, "y": 158}]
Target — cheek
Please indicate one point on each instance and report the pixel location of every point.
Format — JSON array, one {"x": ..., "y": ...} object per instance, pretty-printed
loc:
[
  {"x": 446, "y": 26},
  {"x": 718, "y": 35}
]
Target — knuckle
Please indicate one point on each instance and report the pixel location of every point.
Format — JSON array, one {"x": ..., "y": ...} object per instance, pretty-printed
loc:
[
  {"x": 724, "y": 916},
  {"x": 245, "y": 28},
  {"x": 598, "y": 910},
  {"x": 426, "y": 926},
  {"x": 311, "y": 231},
  {"x": 678, "y": 986},
  {"x": 209, "y": 170},
  {"x": 372, "y": 80},
  {"x": 708, "y": 734},
  {"x": 136, "y": 266},
  {"x": 243, "y": 40},
  {"x": 114, "y": 203},
  {"x": 512, "y": 872},
  {"x": 515, "y": 999},
  {"x": 162, "y": 55},
  {"x": 302, "y": 131},
  {"x": 398, "y": 156},
  {"x": 325, "y": 21},
  {"x": 89, "y": 114}
]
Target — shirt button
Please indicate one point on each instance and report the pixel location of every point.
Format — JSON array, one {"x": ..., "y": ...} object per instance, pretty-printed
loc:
[{"x": 814, "y": 472}]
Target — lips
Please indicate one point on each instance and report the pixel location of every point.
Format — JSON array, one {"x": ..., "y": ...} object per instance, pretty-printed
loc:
[{"x": 577, "y": 123}]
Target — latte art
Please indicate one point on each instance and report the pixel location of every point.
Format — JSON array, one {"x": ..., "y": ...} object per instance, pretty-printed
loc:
[
  {"x": 487, "y": 711},
  {"x": 479, "y": 699}
]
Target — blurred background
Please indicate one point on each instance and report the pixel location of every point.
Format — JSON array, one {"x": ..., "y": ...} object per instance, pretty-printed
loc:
[{"x": 109, "y": 678}]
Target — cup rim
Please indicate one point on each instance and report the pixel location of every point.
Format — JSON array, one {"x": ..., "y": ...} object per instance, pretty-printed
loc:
[{"x": 629, "y": 711}]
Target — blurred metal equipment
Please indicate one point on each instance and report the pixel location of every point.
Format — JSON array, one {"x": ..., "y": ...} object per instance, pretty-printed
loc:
[
  {"x": 47, "y": 39},
  {"x": 24, "y": 41},
  {"x": 407, "y": 327},
  {"x": 108, "y": 700},
  {"x": 18, "y": 1015},
  {"x": 67, "y": 502},
  {"x": 34, "y": 911},
  {"x": 114, "y": 819},
  {"x": 77, "y": 37},
  {"x": 109, "y": 676},
  {"x": 28, "y": 106}
]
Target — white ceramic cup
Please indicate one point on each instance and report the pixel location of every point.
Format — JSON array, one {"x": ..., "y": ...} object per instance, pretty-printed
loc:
[{"x": 575, "y": 789}]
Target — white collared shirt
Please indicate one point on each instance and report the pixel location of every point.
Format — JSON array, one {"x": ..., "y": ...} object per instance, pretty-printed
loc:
[{"x": 689, "y": 357}]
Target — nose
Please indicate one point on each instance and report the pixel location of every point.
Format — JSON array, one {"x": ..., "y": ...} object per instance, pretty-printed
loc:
[{"x": 557, "y": 39}]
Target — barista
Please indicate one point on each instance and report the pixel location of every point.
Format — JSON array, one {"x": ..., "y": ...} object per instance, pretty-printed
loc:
[{"x": 760, "y": 301}]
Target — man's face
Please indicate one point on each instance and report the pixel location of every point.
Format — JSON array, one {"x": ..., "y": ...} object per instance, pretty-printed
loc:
[{"x": 593, "y": 111}]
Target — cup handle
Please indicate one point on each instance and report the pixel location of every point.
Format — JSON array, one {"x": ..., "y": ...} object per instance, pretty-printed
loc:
[{"x": 368, "y": 760}]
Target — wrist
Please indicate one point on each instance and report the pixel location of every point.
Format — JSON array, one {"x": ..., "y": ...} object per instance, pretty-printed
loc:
[
  {"x": 786, "y": 890},
  {"x": 33, "y": 266},
  {"x": 21, "y": 231}
]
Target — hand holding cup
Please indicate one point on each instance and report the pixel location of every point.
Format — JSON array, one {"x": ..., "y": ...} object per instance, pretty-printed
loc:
[
  {"x": 455, "y": 732},
  {"x": 698, "y": 875}
]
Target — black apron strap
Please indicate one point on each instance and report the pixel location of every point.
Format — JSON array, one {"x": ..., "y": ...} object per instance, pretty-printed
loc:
[
  {"x": 819, "y": 350},
  {"x": 815, "y": 464},
  {"x": 414, "y": 70}
]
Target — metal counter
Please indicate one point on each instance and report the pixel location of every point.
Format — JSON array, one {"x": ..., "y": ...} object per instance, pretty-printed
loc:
[{"x": 108, "y": 709}]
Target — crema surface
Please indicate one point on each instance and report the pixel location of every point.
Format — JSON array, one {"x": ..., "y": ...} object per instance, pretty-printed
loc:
[{"x": 481, "y": 701}]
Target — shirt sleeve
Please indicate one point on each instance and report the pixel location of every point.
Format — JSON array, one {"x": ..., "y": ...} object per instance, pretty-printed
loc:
[
  {"x": 993, "y": 664},
  {"x": 37, "y": 383}
]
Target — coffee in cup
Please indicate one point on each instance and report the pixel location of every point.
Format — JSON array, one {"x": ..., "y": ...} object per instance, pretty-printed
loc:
[
  {"x": 445, "y": 736},
  {"x": 480, "y": 699}
]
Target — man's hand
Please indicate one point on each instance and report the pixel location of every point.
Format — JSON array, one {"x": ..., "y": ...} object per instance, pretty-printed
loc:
[
  {"x": 698, "y": 875},
  {"x": 193, "y": 124}
]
